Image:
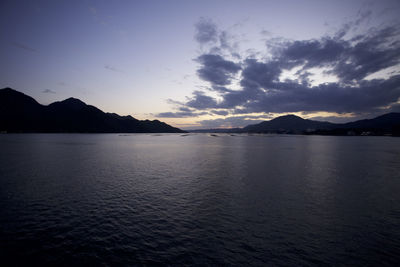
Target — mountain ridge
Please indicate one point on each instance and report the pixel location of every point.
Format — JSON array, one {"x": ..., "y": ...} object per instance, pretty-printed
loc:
[
  {"x": 386, "y": 124},
  {"x": 22, "y": 113},
  {"x": 288, "y": 122}
]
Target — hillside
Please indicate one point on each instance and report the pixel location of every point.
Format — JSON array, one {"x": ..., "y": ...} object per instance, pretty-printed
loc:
[{"x": 22, "y": 113}]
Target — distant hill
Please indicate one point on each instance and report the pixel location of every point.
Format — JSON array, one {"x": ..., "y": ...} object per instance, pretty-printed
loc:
[
  {"x": 22, "y": 113},
  {"x": 388, "y": 124},
  {"x": 386, "y": 121},
  {"x": 289, "y": 123}
]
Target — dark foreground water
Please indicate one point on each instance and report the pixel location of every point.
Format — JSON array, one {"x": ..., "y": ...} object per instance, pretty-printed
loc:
[{"x": 199, "y": 200}]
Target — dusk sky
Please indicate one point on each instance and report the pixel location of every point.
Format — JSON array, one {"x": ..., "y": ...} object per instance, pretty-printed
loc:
[{"x": 207, "y": 64}]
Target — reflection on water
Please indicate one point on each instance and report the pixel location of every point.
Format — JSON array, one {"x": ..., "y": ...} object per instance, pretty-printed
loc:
[{"x": 194, "y": 198}]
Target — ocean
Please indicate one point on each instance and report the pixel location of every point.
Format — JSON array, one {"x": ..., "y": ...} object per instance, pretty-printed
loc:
[{"x": 199, "y": 199}]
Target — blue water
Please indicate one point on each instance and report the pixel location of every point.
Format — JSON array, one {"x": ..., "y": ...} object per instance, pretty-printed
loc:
[{"x": 109, "y": 199}]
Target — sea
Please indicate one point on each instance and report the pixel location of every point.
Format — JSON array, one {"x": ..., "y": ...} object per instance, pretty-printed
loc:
[{"x": 199, "y": 200}]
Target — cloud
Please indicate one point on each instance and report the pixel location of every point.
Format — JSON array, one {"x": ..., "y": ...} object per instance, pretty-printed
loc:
[
  {"x": 262, "y": 91},
  {"x": 350, "y": 60},
  {"x": 347, "y": 57},
  {"x": 48, "y": 91},
  {"x": 395, "y": 108},
  {"x": 216, "y": 69},
  {"x": 93, "y": 10},
  {"x": 180, "y": 114},
  {"x": 206, "y": 31},
  {"x": 176, "y": 114},
  {"x": 220, "y": 112},
  {"x": 201, "y": 101},
  {"x": 174, "y": 102},
  {"x": 23, "y": 46},
  {"x": 313, "y": 53},
  {"x": 376, "y": 51},
  {"x": 332, "y": 97},
  {"x": 265, "y": 33},
  {"x": 214, "y": 40},
  {"x": 108, "y": 67},
  {"x": 183, "y": 112}
]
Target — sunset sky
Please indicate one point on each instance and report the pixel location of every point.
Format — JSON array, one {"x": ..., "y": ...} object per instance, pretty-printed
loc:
[{"x": 207, "y": 64}]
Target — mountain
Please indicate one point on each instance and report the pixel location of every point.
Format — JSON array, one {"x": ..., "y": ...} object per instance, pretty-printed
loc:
[
  {"x": 288, "y": 123},
  {"x": 22, "y": 113},
  {"x": 388, "y": 124},
  {"x": 385, "y": 124},
  {"x": 386, "y": 121}
]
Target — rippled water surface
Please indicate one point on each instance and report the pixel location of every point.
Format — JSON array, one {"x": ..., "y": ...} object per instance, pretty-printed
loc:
[{"x": 109, "y": 199}]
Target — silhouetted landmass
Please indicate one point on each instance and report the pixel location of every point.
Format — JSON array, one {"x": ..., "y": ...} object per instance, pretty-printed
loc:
[
  {"x": 22, "y": 113},
  {"x": 388, "y": 124},
  {"x": 288, "y": 123}
]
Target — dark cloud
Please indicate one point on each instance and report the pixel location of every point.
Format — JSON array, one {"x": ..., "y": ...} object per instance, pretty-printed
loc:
[
  {"x": 394, "y": 108},
  {"x": 229, "y": 44},
  {"x": 332, "y": 97},
  {"x": 184, "y": 109},
  {"x": 183, "y": 112},
  {"x": 220, "y": 89},
  {"x": 216, "y": 69},
  {"x": 206, "y": 31},
  {"x": 259, "y": 74},
  {"x": 201, "y": 101},
  {"x": 180, "y": 114},
  {"x": 374, "y": 52},
  {"x": 214, "y": 40},
  {"x": 48, "y": 91},
  {"x": 349, "y": 59},
  {"x": 362, "y": 16},
  {"x": 313, "y": 53},
  {"x": 174, "y": 102},
  {"x": 108, "y": 67},
  {"x": 224, "y": 40},
  {"x": 220, "y": 112},
  {"x": 265, "y": 33},
  {"x": 176, "y": 114},
  {"x": 23, "y": 46}
]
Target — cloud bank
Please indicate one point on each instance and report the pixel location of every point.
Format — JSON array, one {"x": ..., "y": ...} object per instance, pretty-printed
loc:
[
  {"x": 48, "y": 91},
  {"x": 342, "y": 73}
]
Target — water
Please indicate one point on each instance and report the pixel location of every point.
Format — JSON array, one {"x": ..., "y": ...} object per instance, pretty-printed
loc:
[{"x": 109, "y": 199}]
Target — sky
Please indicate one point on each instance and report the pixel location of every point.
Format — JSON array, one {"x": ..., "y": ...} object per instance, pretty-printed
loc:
[{"x": 207, "y": 64}]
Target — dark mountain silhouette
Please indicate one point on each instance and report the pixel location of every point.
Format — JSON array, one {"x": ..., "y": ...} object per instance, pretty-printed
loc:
[
  {"x": 288, "y": 123},
  {"x": 386, "y": 124},
  {"x": 22, "y": 113},
  {"x": 386, "y": 121}
]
